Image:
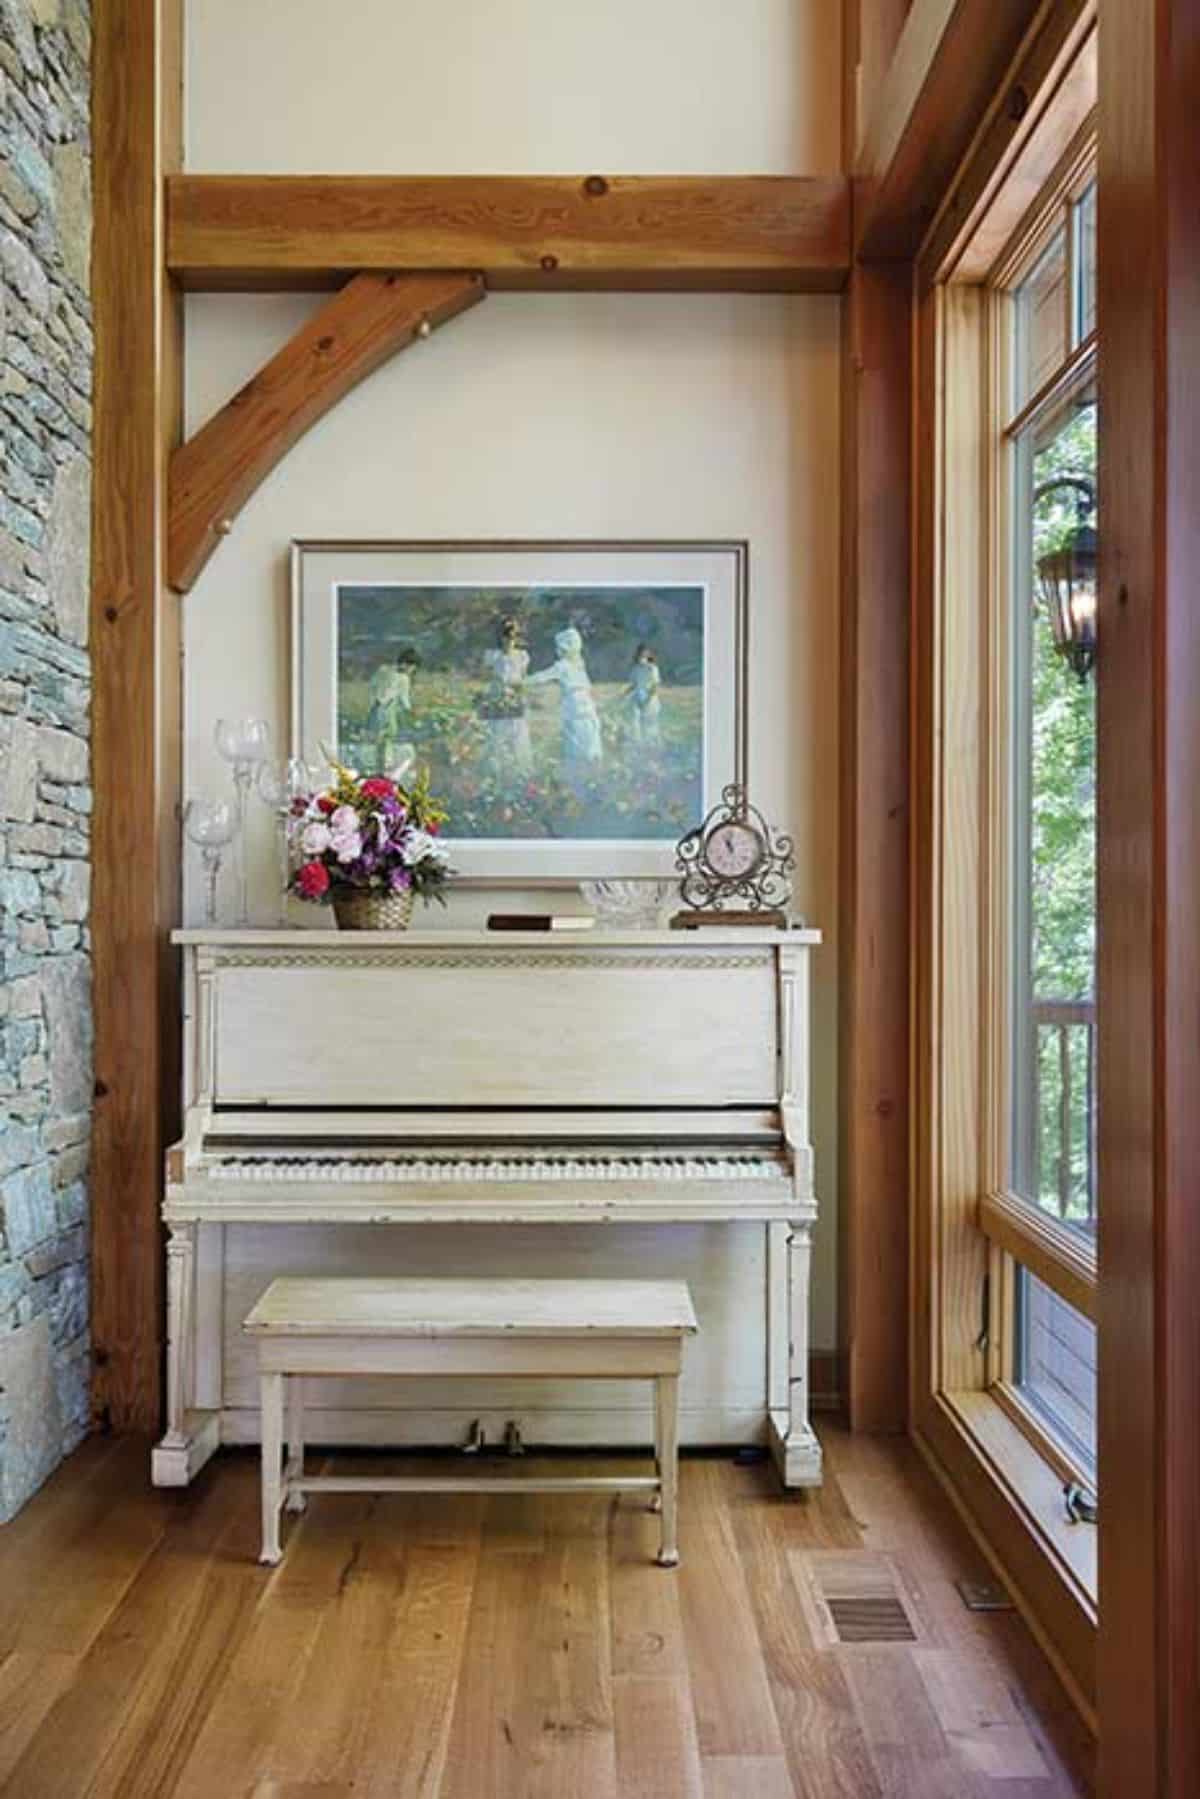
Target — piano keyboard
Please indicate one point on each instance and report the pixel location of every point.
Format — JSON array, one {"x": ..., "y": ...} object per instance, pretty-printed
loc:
[{"x": 285, "y": 1168}]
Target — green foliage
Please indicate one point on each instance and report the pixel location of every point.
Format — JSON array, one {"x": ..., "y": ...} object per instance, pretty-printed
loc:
[{"x": 1062, "y": 874}]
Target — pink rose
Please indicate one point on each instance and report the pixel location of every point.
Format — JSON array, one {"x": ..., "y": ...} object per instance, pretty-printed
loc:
[
  {"x": 315, "y": 840},
  {"x": 312, "y": 880},
  {"x": 378, "y": 787}
]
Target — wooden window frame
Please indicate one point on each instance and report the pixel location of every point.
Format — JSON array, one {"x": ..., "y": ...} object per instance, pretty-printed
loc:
[
  {"x": 985, "y": 1442},
  {"x": 1022, "y": 1234}
]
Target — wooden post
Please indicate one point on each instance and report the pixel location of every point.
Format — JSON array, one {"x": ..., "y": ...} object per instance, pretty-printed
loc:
[
  {"x": 137, "y": 94},
  {"x": 874, "y": 843},
  {"x": 1148, "y": 993},
  {"x": 874, "y": 825}
]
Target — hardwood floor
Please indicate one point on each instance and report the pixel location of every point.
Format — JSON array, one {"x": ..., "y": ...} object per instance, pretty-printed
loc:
[{"x": 470, "y": 1648}]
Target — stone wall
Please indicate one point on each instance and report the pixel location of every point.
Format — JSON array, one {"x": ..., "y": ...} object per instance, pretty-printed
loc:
[{"x": 45, "y": 797}]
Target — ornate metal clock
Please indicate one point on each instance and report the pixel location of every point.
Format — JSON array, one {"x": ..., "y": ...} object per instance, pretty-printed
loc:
[{"x": 734, "y": 867}]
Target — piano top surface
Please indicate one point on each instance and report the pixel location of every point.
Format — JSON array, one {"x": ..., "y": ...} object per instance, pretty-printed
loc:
[{"x": 710, "y": 936}]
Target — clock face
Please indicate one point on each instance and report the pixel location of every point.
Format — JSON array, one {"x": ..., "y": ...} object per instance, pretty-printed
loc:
[{"x": 733, "y": 850}]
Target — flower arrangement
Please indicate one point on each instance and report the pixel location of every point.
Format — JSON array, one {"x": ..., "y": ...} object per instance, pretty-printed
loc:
[{"x": 368, "y": 834}]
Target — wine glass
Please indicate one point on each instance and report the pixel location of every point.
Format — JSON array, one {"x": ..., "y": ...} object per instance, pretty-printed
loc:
[
  {"x": 280, "y": 785},
  {"x": 244, "y": 743},
  {"x": 210, "y": 824}
]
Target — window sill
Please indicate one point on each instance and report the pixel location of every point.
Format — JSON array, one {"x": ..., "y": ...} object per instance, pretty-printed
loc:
[{"x": 1010, "y": 1498}]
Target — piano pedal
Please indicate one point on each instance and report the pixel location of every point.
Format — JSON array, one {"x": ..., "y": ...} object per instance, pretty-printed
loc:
[
  {"x": 476, "y": 1438},
  {"x": 512, "y": 1438}
]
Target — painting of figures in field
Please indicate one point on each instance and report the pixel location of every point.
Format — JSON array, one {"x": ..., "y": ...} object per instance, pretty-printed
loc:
[{"x": 541, "y": 712}]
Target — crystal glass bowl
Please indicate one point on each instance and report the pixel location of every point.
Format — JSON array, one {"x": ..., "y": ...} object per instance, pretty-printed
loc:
[{"x": 629, "y": 904}]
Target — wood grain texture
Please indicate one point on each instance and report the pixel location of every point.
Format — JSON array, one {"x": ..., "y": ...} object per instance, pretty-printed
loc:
[
  {"x": 428, "y": 1648},
  {"x": 1148, "y": 993},
  {"x": 136, "y": 699},
  {"x": 874, "y": 842},
  {"x": 869, "y": 46},
  {"x": 1016, "y": 154},
  {"x": 753, "y": 233},
  {"x": 215, "y": 472},
  {"x": 950, "y": 65}
]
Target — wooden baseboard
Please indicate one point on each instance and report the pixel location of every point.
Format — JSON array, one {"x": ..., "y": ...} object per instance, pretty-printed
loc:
[{"x": 827, "y": 1380}]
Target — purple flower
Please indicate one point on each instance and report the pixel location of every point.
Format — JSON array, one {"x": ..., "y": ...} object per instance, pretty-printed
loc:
[{"x": 399, "y": 880}]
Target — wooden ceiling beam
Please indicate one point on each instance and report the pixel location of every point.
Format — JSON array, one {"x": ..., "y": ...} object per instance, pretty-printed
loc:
[
  {"x": 952, "y": 59},
  {"x": 739, "y": 233},
  {"x": 214, "y": 473}
]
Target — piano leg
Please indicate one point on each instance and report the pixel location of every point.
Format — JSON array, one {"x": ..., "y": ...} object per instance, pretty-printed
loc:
[
  {"x": 191, "y": 1436},
  {"x": 794, "y": 1445}
]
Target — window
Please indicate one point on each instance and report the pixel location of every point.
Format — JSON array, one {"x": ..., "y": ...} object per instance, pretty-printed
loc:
[
  {"x": 1006, "y": 1200},
  {"x": 1045, "y": 431}
]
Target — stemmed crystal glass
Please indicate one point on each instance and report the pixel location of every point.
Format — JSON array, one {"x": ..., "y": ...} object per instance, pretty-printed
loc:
[
  {"x": 280, "y": 785},
  {"x": 245, "y": 743},
  {"x": 210, "y": 824}
]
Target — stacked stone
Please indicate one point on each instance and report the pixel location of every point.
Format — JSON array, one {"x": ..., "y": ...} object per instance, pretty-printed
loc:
[{"x": 45, "y": 796}]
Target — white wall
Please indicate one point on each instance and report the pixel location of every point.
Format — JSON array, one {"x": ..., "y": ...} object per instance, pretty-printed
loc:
[{"x": 547, "y": 415}]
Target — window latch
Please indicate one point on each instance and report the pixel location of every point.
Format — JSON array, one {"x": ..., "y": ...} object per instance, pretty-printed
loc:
[
  {"x": 1082, "y": 1506},
  {"x": 985, "y": 1314}
]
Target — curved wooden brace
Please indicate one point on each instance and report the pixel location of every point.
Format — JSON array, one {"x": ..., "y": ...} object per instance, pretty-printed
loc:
[{"x": 213, "y": 475}]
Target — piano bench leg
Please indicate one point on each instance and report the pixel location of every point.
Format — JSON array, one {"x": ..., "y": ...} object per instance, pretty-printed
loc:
[
  {"x": 667, "y": 1410},
  {"x": 295, "y": 1501},
  {"x": 655, "y": 1504},
  {"x": 271, "y": 1392}
]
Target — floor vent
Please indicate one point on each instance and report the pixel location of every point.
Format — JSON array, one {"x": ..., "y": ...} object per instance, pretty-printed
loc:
[
  {"x": 882, "y": 1620},
  {"x": 855, "y": 1597}
]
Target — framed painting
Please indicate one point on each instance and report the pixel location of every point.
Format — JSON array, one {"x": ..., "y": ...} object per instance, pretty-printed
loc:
[{"x": 578, "y": 706}]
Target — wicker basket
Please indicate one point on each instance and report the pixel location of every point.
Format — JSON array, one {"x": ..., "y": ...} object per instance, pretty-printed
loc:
[{"x": 367, "y": 909}]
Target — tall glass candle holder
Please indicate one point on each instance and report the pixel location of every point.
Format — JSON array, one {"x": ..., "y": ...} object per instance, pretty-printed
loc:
[
  {"x": 211, "y": 826},
  {"x": 245, "y": 743}
]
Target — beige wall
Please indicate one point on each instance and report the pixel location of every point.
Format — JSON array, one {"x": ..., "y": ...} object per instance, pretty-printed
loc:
[{"x": 556, "y": 415}]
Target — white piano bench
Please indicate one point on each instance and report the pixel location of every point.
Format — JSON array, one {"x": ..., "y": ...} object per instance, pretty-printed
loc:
[{"x": 542, "y": 1329}]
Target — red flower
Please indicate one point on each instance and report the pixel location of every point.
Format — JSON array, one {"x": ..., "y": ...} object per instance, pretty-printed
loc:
[
  {"x": 312, "y": 880},
  {"x": 326, "y": 802},
  {"x": 433, "y": 827},
  {"x": 378, "y": 787}
]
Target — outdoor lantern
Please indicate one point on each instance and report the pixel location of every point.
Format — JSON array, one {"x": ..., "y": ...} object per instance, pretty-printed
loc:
[{"x": 1067, "y": 578}]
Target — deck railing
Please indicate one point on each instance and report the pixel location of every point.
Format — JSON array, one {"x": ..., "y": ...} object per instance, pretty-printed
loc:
[{"x": 1065, "y": 1018}]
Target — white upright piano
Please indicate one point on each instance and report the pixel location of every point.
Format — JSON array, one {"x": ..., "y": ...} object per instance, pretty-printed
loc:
[{"x": 434, "y": 1077}]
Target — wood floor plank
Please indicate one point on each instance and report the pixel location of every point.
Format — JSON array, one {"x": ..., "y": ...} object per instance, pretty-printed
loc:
[
  {"x": 978, "y": 1715},
  {"x": 55, "y": 1600},
  {"x": 647, "y": 1623},
  {"x": 487, "y": 1751},
  {"x": 747, "y": 1777},
  {"x": 322, "y": 1728},
  {"x": 534, "y": 1709},
  {"x": 168, "y": 1709},
  {"x": 827, "y": 1753},
  {"x": 733, "y": 1716},
  {"x": 658, "y": 1756},
  {"x": 266, "y": 1669},
  {"x": 419, "y": 1679},
  {"x": 29, "y": 1686},
  {"x": 908, "y": 1747},
  {"x": 570, "y": 1681},
  {"x": 140, "y": 1661}
]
